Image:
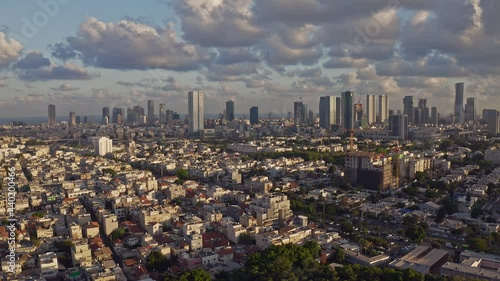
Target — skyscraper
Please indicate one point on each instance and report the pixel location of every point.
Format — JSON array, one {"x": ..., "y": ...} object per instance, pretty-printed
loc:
[
  {"x": 422, "y": 111},
  {"x": 52, "y": 114},
  {"x": 492, "y": 118},
  {"x": 470, "y": 109},
  {"x": 105, "y": 113},
  {"x": 162, "y": 114},
  {"x": 229, "y": 110},
  {"x": 398, "y": 125},
  {"x": 434, "y": 116},
  {"x": 383, "y": 108},
  {"x": 371, "y": 109},
  {"x": 299, "y": 113},
  {"x": 196, "y": 111},
  {"x": 118, "y": 115},
  {"x": 408, "y": 108},
  {"x": 151, "y": 111},
  {"x": 254, "y": 115},
  {"x": 348, "y": 110},
  {"x": 72, "y": 118},
  {"x": 358, "y": 115},
  {"x": 327, "y": 111},
  {"x": 459, "y": 103},
  {"x": 338, "y": 110}
]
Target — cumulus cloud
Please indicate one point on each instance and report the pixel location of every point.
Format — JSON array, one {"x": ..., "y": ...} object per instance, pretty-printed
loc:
[
  {"x": 218, "y": 23},
  {"x": 131, "y": 45},
  {"x": 65, "y": 87},
  {"x": 32, "y": 60},
  {"x": 10, "y": 50}
]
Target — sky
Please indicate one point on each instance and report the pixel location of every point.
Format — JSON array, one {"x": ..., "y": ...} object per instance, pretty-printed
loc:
[{"x": 83, "y": 55}]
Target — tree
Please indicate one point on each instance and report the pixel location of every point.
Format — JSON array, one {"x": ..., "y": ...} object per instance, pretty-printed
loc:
[
  {"x": 157, "y": 261},
  {"x": 339, "y": 254},
  {"x": 118, "y": 233},
  {"x": 191, "y": 275},
  {"x": 182, "y": 174},
  {"x": 313, "y": 247},
  {"x": 415, "y": 233},
  {"x": 478, "y": 244}
]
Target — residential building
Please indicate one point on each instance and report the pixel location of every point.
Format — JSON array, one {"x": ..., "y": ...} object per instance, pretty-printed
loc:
[
  {"x": 196, "y": 111},
  {"x": 102, "y": 145},
  {"x": 371, "y": 109},
  {"x": 80, "y": 253},
  {"x": 271, "y": 209},
  {"x": 383, "y": 108},
  {"x": 48, "y": 264}
]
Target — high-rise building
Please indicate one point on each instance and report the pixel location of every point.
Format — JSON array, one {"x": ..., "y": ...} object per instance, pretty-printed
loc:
[
  {"x": 151, "y": 111},
  {"x": 162, "y": 114},
  {"x": 78, "y": 119},
  {"x": 422, "y": 111},
  {"x": 398, "y": 125},
  {"x": 383, "y": 108},
  {"x": 348, "y": 110},
  {"x": 459, "y": 103},
  {"x": 408, "y": 108},
  {"x": 254, "y": 115},
  {"x": 492, "y": 118},
  {"x": 196, "y": 111},
  {"x": 52, "y": 114},
  {"x": 299, "y": 113},
  {"x": 105, "y": 113},
  {"x": 102, "y": 145},
  {"x": 311, "y": 120},
  {"x": 434, "y": 116},
  {"x": 371, "y": 109},
  {"x": 327, "y": 112},
  {"x": 338, "y": 111},
  {"x": 358, "y": 115},
  {"x": 470, "y": 109},
  {"x": 229, "y": 110},
  {"x": 118, "y": 115},
  {"x": 72, "y": 118}
]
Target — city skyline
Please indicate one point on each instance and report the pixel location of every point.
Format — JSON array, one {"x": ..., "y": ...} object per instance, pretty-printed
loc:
[{"x": 75, "y": 59}]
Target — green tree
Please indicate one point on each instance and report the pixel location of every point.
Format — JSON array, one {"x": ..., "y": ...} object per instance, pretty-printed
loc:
[
  {"x": 118, "y": 233},
  {"x": 415, "y": 233},
  {"x": 157, "y": 261},
  {"x": 339, "y": 254},
  {"x": 182, "y": 174},
  {"x": 478, "y": 244},
  {"x": 313, "y": 247}
]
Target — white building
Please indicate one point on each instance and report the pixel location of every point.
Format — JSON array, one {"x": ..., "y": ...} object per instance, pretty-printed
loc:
[
  {"x": 102, "y": 145},
  {"x": 196, "y": 111},
  {"x": 49, "y": 267}
]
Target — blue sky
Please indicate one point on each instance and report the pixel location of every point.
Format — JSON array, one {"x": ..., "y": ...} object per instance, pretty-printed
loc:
[{"x": 266, "y": 53}]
